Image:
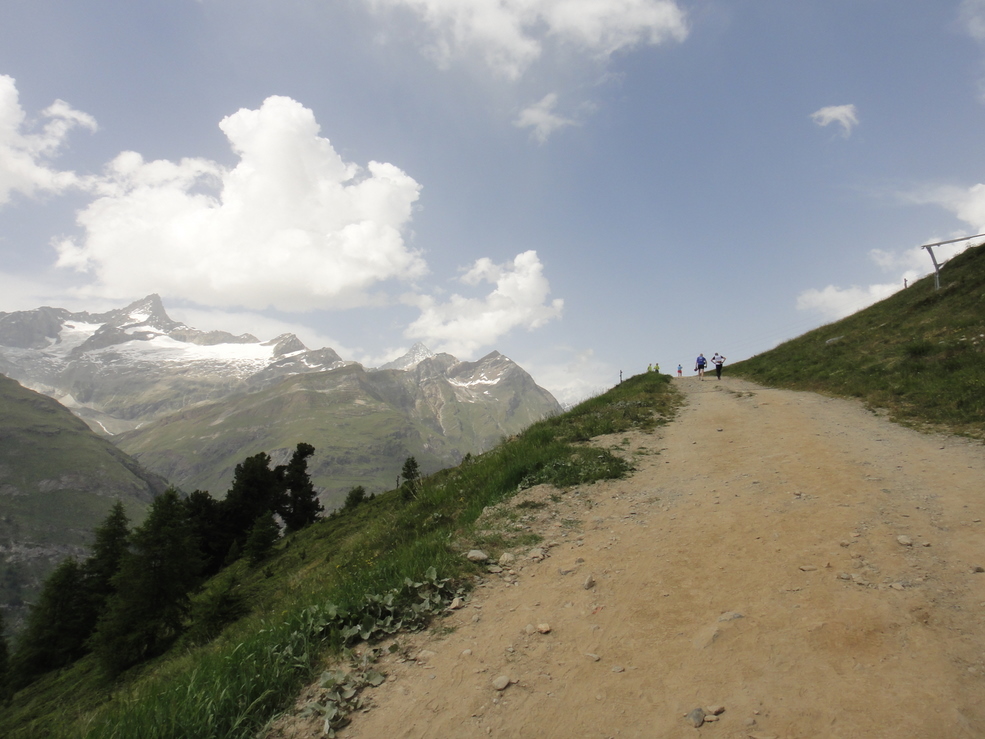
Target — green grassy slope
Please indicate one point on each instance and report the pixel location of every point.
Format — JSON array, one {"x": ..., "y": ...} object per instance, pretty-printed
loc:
[
  {"x": 229, "y": 687},
  {"x": 58, "y": 481},
  {"x": 918, "y": 354}
]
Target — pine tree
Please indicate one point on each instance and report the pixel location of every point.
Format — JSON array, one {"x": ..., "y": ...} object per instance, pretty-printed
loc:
[
  {"x": 205, "y": 517},
  {"x": 256, "y": 489},
  {"x": 147, "y": 611},
  {"x": 57, "y": 626},
  {"x": 301, "y": 505},
  {"x": 355, "y": 497},
  {"x": 411, "y": 472},
  {"x": 110, "y": 542},
  {"x": 261, "y": 539}
]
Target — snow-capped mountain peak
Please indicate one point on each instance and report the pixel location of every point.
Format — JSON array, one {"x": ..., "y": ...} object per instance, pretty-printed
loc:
[
  {"x": 417, "y": 354},
  {"x": 125, "y": 368}
]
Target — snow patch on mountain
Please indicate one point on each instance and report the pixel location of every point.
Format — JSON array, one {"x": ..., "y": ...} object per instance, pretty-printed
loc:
[
  {"x": 139, "y": 316},
  {"x": 417, "y": 354},
  {"x": 480, "y": 380},
  {"x": 162, "y": 348},
  {"x": 71, "y": 336}
]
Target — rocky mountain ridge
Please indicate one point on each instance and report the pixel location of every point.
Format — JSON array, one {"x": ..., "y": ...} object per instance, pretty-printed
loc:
[
  {"x": 191, "y": 404},
  {"x": 363, "y": 423},
  {"x": 122, "y": 368}
]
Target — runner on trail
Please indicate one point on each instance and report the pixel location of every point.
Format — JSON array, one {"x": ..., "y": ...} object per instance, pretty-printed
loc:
[
  {"x": 699, "y": 366},
  {"x": 680, "y": 371},
  {"x": 718, "y": 360}
]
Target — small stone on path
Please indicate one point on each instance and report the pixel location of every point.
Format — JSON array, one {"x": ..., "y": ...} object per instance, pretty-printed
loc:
[
  {"x": 476, "y": 555},
  {"x": 696, "y": 717},
  {"x": 501, "y": 683},
  {"x": 905, "y": 540}
]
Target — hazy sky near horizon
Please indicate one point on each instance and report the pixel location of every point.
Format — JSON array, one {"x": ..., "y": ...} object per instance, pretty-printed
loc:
[{"x": 587, "y": 186}]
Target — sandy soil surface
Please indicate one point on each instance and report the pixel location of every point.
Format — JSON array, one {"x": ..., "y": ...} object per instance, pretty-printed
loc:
[{"x": 795, "y": 560}]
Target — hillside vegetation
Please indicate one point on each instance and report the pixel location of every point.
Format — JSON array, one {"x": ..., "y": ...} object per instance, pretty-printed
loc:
[
  {"x": 259, "y": 630},
  {"x": 58, "y": 480},
  {"x": 917, "y": 354}
]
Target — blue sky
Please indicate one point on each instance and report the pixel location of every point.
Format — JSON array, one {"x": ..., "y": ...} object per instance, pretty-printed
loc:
[{"x": 587, "y": 186}]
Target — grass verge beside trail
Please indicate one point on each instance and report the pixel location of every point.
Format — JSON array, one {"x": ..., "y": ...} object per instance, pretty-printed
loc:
[
  {"x": 919, "y": 354},
  {"x": 342, "y": 579}
]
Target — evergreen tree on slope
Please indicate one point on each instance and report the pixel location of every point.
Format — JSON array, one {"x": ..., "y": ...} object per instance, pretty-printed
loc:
[
  {"x": 110, "y": 542},
  {"x": 206, "y": 517},
  {"x": 301, "y": 506},
  {"x": 256, "y": 489},
  {"x": 148, "y": 609},
  {"x": 57, "y": 626}
]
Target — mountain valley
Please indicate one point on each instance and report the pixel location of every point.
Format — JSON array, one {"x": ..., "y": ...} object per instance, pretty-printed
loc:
[
  {"x": 58, "y": 480},
  {"x": 191, "y": 404}
]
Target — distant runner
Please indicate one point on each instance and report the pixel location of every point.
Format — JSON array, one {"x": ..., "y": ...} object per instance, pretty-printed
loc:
[
  {"x": 680, "y": 371},
  {"x": 718, "y": 360},
  {"x": 699, "y": 366}
]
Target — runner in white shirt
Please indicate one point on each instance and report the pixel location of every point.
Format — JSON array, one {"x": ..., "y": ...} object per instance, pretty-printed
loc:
[{"x": 718, "y": 360}]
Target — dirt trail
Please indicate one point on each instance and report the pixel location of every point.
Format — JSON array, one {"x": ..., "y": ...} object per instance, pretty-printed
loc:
[{"x": 752, "y": 562}]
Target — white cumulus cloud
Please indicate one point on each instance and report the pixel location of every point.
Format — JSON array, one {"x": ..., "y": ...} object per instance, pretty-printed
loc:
[
  {"x": 510, "y": 34},
  {"x": 291, "y": 226},
  {"x": 462, "y": 325},
  {"x": 25, "y": 148},
  {"x": 907, "y": 265},
  {"x": 834, "y": 302},
  {"x": 972, "y": 14},
  {"x": 541, "y": 118},
  {"x": 572, "y": 375},
  {"x": 968, "y": 204},
  {"x": 844, "y": 115}
]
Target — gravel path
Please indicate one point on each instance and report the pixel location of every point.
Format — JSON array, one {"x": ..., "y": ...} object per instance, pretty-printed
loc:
[{"x": 792, "y": 559}]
